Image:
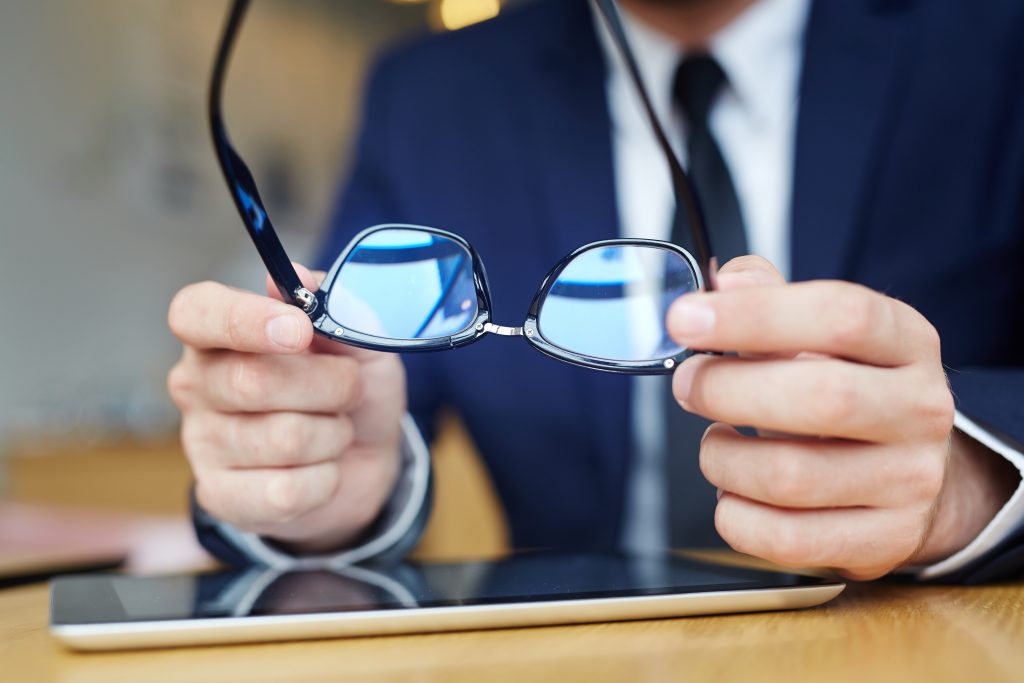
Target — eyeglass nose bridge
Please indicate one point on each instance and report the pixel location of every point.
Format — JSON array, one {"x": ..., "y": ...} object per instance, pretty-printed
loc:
[{"x": 503, "y": 330}]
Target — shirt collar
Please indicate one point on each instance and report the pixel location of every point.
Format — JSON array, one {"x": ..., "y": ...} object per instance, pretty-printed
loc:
[{"x": 760, "y": 52}]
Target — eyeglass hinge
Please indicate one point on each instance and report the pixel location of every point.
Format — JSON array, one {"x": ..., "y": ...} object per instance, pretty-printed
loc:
[{"x": 306, "y": 298}]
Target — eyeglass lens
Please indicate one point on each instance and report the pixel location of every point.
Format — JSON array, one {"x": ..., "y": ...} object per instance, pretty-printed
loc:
[
  {"x": 610, "y": 302},
  {"x": 404, "y": 284}
]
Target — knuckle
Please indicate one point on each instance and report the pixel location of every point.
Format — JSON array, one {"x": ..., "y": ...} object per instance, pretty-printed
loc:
[
  {"x": 907, "y": 533},
  {"x": 789, "y": 480},
  {"x": 788, "y": 546},
  {"x": 345, "y": 432},
  {"x": 348, "y": 381},
  {"x": 193, "y": 437},
  {"x": 290, "y": 436},
  {"x": 930, "y": 339},
  {"x": 835, "y": 398},
  {"x": 931, "y": 482},
  {"x": 708, "y": 456},
  {"x": 936, "y": 411},
  {"x": 203, "y": 442},
  {"x": 235, "y": 327},
  {"x": 853, "y": 311},
  {"x": 725, "y": 524},
  {"x": 705, "y": 388},
  {"x": 926, "y": 476},
  {"x": 376, "y": 481},
  {"x": 247, "y": 380},
  {"x": 180, "y": 384},
  {"x": 284, "y": 497}
]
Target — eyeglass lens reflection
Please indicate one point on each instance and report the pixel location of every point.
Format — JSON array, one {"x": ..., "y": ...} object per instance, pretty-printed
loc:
[
  {"x": 610, "y": 302},
  {"x": 402, "y": 283}
]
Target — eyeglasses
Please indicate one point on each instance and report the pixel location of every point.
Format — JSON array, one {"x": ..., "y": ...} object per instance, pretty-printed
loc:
[{"x": 405, "y": 288}]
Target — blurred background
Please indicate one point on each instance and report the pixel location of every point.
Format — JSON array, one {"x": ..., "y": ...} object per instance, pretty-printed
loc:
[{"x": 111, "y": 201}]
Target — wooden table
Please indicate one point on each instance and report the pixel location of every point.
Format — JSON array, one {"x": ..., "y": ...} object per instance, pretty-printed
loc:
[
  {"x": 871, "y": 633},
  {"x": 876, "y": 632}
]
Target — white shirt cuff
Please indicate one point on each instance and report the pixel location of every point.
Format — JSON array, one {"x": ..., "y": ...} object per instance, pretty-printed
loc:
[
  {"x": 1006, "y": 521},
  {"x": 397, "y": 523}
]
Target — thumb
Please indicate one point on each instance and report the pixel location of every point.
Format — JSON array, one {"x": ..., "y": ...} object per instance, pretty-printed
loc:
[
  {"x": 749, "y": 271},
  {"x": 311, "y": 280}
]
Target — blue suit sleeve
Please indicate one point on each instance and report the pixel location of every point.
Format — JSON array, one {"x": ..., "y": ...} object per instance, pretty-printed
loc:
[{"x": 994, "y": 398}]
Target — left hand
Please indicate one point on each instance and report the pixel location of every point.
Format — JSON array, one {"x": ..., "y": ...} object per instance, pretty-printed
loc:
[{"x": 847, "y": 390}]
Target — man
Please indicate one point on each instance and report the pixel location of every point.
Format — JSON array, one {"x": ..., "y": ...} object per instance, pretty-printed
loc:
[{"x": 878, "y": 142}]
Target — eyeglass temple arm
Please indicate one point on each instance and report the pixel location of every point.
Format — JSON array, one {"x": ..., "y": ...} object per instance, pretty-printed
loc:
[
  {"x": 686, "y": 198},
  {"x": 241, "y": 183}
]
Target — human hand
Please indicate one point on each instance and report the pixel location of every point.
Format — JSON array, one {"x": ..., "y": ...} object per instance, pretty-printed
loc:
[
  {"x": 846, "y": 387},
  {"x": 290, "y": 436}
]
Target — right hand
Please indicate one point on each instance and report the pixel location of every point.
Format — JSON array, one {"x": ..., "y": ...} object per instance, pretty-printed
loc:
[{"x": 292, "y": 437}]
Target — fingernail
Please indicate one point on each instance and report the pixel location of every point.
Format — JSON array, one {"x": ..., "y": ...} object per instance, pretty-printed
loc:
[
  {"x": 284, "y": 331},
  {"x": 682, "y": 382},
  {"x": 719, "y": 493},
  {"x": 691, "y": 319}
]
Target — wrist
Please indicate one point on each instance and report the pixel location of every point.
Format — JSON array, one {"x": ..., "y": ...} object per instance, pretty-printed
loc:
[{"x": 978, "y": 484}]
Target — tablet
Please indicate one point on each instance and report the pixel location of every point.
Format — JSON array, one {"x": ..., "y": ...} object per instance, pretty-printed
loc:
[{"x": 101, "y": 612}]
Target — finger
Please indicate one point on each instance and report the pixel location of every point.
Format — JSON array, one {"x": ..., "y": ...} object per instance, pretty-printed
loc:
[
  {"x": 815, "y": 397},
  {"x": 267, "y": 497},
  {"x": 835, "y": 318},
  {"x": 210, "y": 315},
  {"x": 309, "y": 383},
  {"x": 864, "y": 543},
  {"x": 261, "y": 440},
  {"x": 751, "y": 271},
  {"x": 748, "y": 271},
  {"x": 818, "y": 474}
]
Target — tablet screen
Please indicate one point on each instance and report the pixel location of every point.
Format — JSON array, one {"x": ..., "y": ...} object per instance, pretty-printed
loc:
[{"x": 522, "y": 578}]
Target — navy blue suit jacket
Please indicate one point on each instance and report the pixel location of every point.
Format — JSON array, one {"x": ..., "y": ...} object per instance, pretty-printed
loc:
[{"x": 909, "y": 178}]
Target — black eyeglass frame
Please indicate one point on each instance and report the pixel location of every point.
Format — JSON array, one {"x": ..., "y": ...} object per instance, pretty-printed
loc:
[
  {"x": 256, "y": 219},
  {"x": 659, "y": 366},
  {"x": 483, "y": 324}
]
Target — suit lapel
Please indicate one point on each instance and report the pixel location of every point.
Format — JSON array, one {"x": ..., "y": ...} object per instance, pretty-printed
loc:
[
  {"x": 855, "y": 64},
  {"x": 570, "y": 127},
  {"x": 567, "y": 120}
]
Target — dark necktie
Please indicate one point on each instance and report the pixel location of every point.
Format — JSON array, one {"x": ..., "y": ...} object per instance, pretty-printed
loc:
[{"x": 691, "y": 500}]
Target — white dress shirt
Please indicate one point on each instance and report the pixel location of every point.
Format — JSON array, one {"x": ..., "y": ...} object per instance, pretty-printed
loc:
[{"x": 754, "y": 122}]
